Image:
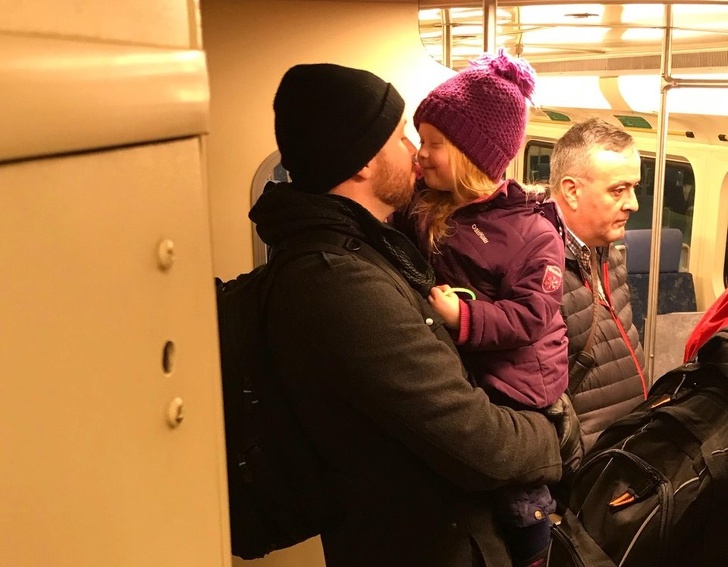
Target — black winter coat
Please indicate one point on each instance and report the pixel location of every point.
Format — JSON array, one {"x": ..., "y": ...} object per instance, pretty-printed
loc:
[
  {"x": 411, "y": 448},
  {"x": 615, "y": 384}
]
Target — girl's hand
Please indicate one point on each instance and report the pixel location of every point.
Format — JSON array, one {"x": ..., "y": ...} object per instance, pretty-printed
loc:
[{"x": 447, "y": 305}]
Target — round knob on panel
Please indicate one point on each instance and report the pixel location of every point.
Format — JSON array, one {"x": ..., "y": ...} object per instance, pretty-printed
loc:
[
  {"x": 175, "y": 412},
  {"x": 165, "y": 254}
]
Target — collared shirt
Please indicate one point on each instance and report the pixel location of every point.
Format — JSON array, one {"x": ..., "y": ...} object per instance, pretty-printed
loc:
[{"x": 582, "y": 253}]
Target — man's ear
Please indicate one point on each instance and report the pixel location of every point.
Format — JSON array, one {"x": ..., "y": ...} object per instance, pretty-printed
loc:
[
  {"x": 570, "y": 192},
  {"x": 365, "y": 172}
]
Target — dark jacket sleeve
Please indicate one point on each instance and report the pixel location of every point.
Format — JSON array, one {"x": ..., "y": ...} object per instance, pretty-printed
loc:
[
  {"x": 340, "y": 324},
  {"x": 528, "y": 301}
]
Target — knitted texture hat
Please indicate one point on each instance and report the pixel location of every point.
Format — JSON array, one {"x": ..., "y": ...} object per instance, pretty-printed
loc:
[
  {"x": 482, "y": 110},
  {"x": 330, "y": 121}
]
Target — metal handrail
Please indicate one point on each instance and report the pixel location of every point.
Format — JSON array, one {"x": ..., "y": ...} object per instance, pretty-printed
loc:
[{"x": 668, "y": 83}]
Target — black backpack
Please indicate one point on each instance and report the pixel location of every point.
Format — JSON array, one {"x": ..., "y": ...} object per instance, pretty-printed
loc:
[
  {"x": 277, "y": 492},
  {"x": 653, "y": 491}
]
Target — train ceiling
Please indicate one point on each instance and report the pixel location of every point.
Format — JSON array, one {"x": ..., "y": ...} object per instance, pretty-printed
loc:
[{"x": 579, "y": 36}]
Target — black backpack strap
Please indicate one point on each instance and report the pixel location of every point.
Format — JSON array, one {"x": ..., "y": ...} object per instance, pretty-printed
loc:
[
  {"x": 374, "y": 257},
  {"x": 339, "y": 243}
]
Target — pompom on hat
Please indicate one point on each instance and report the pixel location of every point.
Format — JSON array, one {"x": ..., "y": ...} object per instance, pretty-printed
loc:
[
  {"x": 330, "y": 121},
  {"x": 482, "y": 110}
]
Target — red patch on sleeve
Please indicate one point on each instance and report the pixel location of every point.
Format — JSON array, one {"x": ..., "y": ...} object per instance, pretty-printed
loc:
[{"x": 552, "y": 279}]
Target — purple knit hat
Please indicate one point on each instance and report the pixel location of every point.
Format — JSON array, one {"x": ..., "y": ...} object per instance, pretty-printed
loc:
[{"x": 482, "y": 110}]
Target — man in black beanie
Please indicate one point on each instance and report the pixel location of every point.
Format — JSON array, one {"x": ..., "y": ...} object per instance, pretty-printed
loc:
[
  {"x": 409, "y": 447},
  {"x": 330, "y": 121}
]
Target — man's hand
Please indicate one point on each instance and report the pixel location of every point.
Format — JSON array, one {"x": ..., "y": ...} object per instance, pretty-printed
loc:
[{"x": 564, "y": 418}]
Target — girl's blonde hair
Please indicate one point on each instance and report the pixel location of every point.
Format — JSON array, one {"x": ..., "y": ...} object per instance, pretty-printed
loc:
[{"x": 434, "y": 207}]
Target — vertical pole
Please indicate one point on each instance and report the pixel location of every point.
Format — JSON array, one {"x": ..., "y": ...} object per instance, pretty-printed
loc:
[
  {"x": 490, "y": 14},
  {"x": 662, "y": 124},
  {"x": 446, "y": 22}
]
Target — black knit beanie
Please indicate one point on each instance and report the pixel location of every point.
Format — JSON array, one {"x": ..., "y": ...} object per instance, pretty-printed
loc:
[{"x": 330, "y": 121}]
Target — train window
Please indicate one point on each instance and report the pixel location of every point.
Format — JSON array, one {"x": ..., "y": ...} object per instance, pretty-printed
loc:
[
  {"x": 677, "y": 202},
  {"x": 536, "y": 168},
  {"x": 269, "y": 170},
  {"x": 679, "y": 194}
]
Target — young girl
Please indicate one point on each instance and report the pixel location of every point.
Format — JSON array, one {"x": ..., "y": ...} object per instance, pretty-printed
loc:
[{"x": 502, "y": 243}]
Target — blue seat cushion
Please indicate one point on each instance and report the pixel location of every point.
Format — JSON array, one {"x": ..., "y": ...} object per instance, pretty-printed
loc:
[{"x": 638, "y": 242}]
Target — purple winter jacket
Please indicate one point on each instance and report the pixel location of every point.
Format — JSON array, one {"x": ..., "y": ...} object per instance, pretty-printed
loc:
[{"x": 508, "y": 249}]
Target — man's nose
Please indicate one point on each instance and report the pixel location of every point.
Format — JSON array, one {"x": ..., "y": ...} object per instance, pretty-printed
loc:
[
  {"x": 411, "y": 147},
  {"x": 631, "y": 203}
]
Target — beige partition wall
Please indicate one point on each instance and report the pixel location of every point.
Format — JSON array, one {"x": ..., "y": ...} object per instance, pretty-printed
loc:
[
  {"x": 112, "y": 450},
  {"x": 249, "y": 45}
]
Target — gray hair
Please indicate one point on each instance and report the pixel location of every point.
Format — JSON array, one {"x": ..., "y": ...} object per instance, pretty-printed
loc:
[{"x": 571, "y": 152}]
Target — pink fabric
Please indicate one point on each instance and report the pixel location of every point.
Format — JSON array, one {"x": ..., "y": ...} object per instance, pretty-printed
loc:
[{"x": 464, "y": 332}]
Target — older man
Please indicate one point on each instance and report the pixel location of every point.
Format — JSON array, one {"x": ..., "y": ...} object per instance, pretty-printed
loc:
[{"x": 595, "y": 168}]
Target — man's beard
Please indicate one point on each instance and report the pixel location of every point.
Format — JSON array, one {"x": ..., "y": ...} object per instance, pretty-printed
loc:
[{"x": 392, "y": 186}]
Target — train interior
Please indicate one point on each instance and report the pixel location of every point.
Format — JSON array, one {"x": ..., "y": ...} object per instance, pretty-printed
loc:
[
  {"x": 141, "y": 132},
  {"x": 622, "y": 62}
]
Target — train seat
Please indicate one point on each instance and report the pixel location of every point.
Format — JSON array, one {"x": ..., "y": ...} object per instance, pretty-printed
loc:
[
  {"x": 671, "y": 332},
  {"x": 676, "y": 289}
]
